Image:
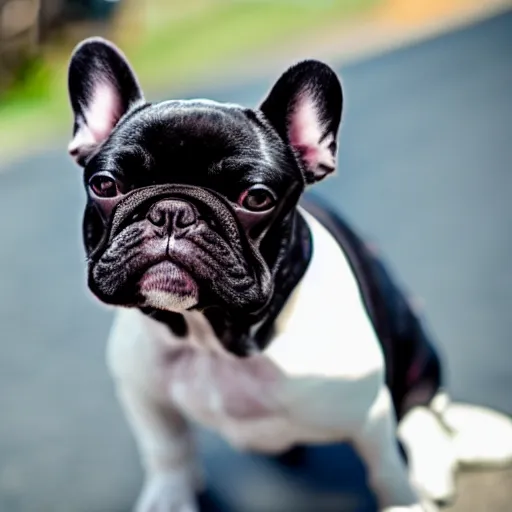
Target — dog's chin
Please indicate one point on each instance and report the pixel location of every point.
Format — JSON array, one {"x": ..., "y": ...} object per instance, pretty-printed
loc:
[{"x": 168, "y": 287}]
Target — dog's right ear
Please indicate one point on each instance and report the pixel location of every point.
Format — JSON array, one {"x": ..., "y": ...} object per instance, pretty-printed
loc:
[{"x": 102, "y": 88}]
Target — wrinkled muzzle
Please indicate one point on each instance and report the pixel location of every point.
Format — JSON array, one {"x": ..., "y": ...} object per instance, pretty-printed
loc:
[{"x": 216, "y": 251}]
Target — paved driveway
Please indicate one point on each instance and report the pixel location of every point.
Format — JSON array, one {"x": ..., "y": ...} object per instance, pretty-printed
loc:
[{"x": 425, "y": 169}]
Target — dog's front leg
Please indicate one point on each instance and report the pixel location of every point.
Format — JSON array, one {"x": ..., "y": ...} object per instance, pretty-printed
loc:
[
  {"x": 166, "y": 448},
  {"x": 376, "y": 443}
]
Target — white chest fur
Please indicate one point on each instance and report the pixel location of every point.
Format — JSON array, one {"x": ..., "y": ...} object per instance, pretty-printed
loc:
[{"x": 314, "y": 383}]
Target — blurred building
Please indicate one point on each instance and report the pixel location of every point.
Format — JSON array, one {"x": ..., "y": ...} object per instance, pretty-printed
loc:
[
  {"x": 25, "y": 24},
  {"x": 19, "y": 34}
]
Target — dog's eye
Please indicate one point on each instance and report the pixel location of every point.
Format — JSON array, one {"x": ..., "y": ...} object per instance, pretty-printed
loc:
[
  {"x": 104, "y": 185},
  {"x": 258, "y": 198}
]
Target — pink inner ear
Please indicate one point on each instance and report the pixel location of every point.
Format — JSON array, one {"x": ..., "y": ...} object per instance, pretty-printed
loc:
[
  {"x": 104, "y": 111},
  {"x": 305, "y": 135},
  {"x": 101, "y": 116}
]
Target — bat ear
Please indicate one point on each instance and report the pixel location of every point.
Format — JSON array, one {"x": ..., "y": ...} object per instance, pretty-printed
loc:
[
  {"x": 305, "y": 107},
  {"x": 102, "y": 88}
]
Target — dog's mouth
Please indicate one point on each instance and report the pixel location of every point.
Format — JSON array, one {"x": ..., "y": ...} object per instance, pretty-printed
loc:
[{"x": 169, "y": 287}]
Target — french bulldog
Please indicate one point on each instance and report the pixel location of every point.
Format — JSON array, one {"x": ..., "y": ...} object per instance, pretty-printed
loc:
[{"x": 245, "y": 308}]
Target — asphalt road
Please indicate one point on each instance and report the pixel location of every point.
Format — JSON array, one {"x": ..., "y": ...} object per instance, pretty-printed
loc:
[{"x": 425, "y": 170}]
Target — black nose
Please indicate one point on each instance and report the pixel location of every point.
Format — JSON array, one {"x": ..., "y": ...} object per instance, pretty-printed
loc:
[{"x": 172, "y": 214}]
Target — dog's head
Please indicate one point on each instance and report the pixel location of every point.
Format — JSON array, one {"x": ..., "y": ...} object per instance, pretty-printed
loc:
[{"x": 188, "y": 200}]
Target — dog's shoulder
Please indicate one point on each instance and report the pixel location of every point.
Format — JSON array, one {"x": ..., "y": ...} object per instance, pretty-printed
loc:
[{"x": 324, "y": 328}]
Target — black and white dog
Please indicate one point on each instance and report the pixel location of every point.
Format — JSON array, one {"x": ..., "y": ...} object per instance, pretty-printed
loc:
[{"x": 269, "y": 322}]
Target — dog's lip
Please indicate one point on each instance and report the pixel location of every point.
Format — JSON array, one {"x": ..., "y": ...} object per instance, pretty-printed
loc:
[{"x": 166, "y": 275}]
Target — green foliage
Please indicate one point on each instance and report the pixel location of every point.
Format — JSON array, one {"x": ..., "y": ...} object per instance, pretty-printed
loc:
[
  {"x": 31, "y": 82},
  {"x": 174, "y": 50}
]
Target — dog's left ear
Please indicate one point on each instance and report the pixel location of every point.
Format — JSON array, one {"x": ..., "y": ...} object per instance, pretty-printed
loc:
[
  {"x": 102, "y": 88},
  {"x": 305, "y": 107}
]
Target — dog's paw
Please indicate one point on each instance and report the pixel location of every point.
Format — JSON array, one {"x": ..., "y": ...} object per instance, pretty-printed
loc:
[
  {"x": 419, "y": 507},
  {"x": 481, "y": 436},
  {"x": 167, "y": 493},
  {"x": 431, "y": 455}
]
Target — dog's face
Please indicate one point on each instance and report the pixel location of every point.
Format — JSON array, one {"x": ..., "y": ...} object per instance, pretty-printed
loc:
[{"x": 187, "y": 199}]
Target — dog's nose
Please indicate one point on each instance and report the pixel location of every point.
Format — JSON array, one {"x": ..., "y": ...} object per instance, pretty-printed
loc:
[{"x": 172, "y": 214}]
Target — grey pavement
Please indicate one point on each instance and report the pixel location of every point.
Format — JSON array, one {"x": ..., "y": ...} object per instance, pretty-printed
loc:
[{"x": 425, "y": 170}]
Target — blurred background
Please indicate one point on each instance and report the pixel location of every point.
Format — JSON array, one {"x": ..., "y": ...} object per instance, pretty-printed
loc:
[{"x": 424, "y": 171}]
